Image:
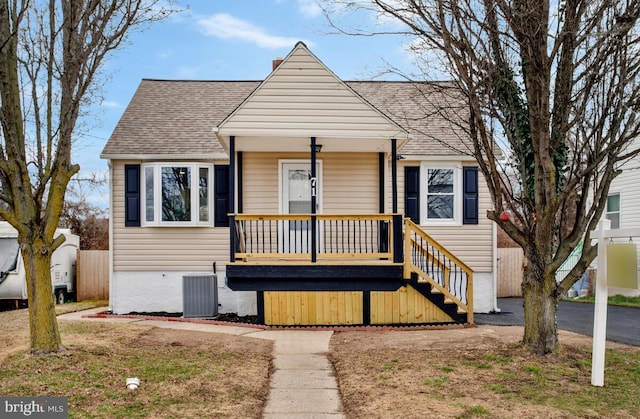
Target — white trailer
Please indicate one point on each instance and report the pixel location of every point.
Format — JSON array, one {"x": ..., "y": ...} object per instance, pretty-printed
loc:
[{"x": 13, "y": 284}]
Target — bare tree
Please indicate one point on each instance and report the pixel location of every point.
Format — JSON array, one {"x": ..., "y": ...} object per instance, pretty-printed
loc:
[
  {"x": 89, "y": 221},
  {"x": 556, "y": 86},
  {"x": 51, "y": 52}
]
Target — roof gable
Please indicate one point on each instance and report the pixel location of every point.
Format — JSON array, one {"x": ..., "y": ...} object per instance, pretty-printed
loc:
[{"x": 303, "y": 98}]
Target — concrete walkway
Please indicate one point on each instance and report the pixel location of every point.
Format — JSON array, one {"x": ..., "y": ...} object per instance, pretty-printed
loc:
[{"x": 303, "y": 384}]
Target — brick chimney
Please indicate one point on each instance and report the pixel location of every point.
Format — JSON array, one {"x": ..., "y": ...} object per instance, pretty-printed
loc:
[{"x": 275, "y": 63}]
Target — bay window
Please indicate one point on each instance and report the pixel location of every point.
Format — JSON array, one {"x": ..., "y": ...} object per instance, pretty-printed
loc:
[{"x": 177, "y": 194}]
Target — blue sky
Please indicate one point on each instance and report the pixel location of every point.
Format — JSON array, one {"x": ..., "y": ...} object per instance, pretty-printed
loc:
[{"x": 227, "y": 40}]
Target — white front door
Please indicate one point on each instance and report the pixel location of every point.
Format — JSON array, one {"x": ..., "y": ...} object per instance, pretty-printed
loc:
[{"x": 296, "y": 190}]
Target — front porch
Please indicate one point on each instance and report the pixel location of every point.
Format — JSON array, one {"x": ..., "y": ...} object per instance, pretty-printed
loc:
[{"x": 347, "y": 269}]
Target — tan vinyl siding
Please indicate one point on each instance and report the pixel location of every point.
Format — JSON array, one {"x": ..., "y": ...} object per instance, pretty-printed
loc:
[
  {"x": 471, "y": 243},
  {"x": 260, "y": 183},
  {"x": 162, "y": 248},
  {"x": 349, "y": 186},
  {"x": 302, "y": 98},
  {"x": 349, "y": 182}
]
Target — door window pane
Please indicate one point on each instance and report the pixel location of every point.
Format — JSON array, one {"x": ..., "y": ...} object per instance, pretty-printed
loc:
[
  {"x": 299, "y": 192},
  {"x": 299, "y": 196}
]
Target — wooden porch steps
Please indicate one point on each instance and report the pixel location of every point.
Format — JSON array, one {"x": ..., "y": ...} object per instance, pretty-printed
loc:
[{"x": 453, "y": 310}]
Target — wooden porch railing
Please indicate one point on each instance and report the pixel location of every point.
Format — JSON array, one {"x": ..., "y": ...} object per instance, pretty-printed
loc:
[
  {"x": 368, "y": 239},
  {"x": 291, "y": 236},
  {"x": 437, "y": 266}
]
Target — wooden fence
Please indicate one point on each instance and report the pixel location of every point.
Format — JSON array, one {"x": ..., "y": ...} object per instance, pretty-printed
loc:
[
  {"x": 510, "y": 269},
  {"x": 92, "y": 275}
]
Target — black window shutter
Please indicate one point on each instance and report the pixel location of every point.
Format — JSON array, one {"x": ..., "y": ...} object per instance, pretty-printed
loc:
[
  {"x": 412, "y": 193},
  {"x": 132, "y": 195},
  {"x": 221, "y": 195},
  {"x": 470, "y": 195}
]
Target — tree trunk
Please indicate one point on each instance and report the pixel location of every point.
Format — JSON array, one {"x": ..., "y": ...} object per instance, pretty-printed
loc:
[
  {"x": 540, "y": 306},
  {"x": 43, "y": 324}
]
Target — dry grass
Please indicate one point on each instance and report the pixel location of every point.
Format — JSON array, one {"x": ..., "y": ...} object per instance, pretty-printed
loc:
[
  {"x": 478, "y": 372},
  {"x": 460, "y": 373},
  {"x": 183, "y": 373}
]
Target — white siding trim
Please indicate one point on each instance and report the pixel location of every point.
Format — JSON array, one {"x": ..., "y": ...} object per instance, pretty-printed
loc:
[{"x": 303, "y": 98}]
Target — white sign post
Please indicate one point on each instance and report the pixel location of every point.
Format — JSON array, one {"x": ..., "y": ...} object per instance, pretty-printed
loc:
[
  {"x": 602, "y": 294},
  {"x": 600, "y": 310}
]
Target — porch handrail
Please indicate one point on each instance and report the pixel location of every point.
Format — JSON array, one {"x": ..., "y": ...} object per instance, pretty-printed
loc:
[
  {"x": 436, "y": 265},
  {"x": 338, "y": 236}
]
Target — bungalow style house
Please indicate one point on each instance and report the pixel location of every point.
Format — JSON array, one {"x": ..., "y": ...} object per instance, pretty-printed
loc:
[{"x": 320, "y": 201}]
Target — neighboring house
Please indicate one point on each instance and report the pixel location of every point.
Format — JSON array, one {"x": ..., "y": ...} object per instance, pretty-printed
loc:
[
  {"x": 298, "y": 187},
  {"x": 623, "y": 207}
]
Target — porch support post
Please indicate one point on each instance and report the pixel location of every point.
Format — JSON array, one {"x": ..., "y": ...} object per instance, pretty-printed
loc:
[
  {"x": 314, "y": 190},
  {"x": 381, "y": 188},
  {"x": 232, "y": 198},
  {"x": 366, "y": 308},
  {"x": 398, "y": 247},
  {"x": 394, "y": 175},
  {"x": 398, "y": 255},
  {"x": 239, "y": 182}
]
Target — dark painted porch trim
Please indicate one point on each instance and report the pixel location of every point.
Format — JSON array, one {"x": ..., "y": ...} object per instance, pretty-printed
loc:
[
  {"x": 232, "y": 199},
  {"x": 437, "y": 299},
  {"x": 314, "y": 199},
  {"x": 260, "y": 306},
  {"x": 366, "y": 308},
  {"x": 239, "y": 182},
  {"x": 394, "y": 175},
  {"x": 314, "y": 278},
  {"x": 381, "y": 183},
  {"x": 398, "y": 239}
]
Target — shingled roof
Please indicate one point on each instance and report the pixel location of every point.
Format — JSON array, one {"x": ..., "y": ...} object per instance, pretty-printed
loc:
[{"x": 175, "y": 117}]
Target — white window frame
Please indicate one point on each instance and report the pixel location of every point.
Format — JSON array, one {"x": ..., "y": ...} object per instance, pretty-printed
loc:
[
  {"x": 456, "y": 220},
  {"x": 194, "y": 197},
  {"x": 619, "y": 212}
]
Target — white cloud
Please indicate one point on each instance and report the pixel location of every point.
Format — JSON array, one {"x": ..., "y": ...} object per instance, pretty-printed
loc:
[
  {"x": 110, "y": 104},
  {"x": 225, "y": 26},
  {"x": 309, "y": 8}
]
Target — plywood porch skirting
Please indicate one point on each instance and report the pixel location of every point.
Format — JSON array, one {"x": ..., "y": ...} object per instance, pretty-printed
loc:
[{"x": 299, "y": 308}]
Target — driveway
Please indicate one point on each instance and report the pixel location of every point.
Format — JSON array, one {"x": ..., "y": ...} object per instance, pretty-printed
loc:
[{"x": 623, "y": 323}]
